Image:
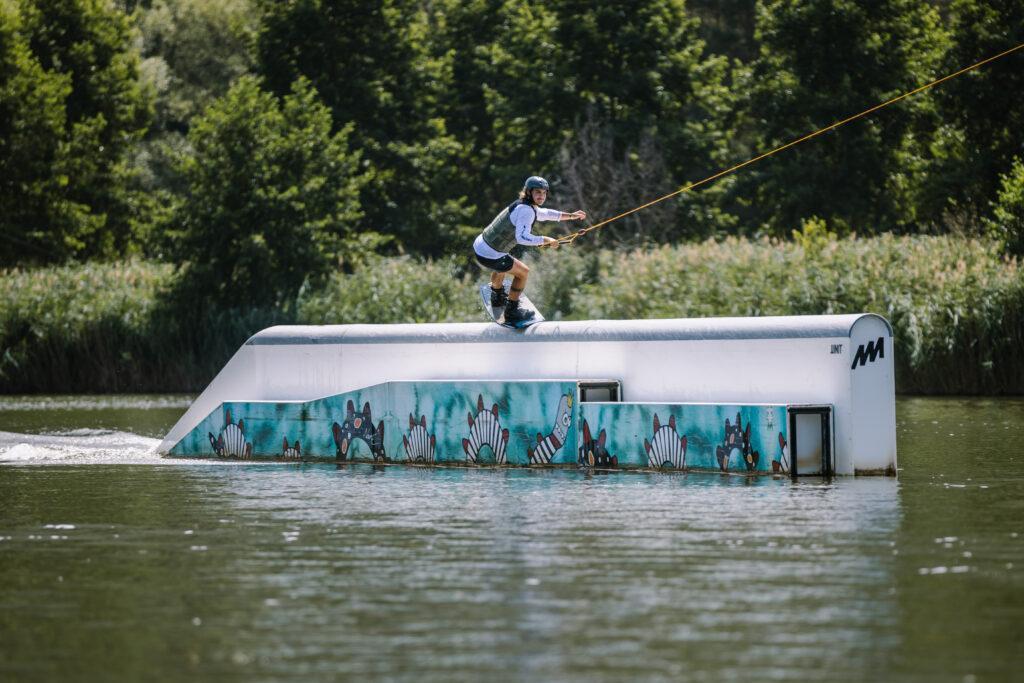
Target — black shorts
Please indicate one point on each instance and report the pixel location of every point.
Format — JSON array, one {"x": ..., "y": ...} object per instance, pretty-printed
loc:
[{"x": 500, "y": 265}]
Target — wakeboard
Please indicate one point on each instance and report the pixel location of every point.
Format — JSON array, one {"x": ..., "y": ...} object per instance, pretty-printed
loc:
[{"x": 498, "y": 313}]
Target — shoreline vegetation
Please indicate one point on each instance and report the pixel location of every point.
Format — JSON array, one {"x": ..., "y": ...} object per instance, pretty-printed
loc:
[
  {"x": 176, "y": 175},
  {"x": 956, "y": 305}
]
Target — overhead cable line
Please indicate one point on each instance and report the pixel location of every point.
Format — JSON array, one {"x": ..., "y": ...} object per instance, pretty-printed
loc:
[{"x": 572, "y": 237}]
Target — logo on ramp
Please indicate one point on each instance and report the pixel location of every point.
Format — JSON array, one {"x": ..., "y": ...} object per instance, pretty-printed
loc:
[{"x": 867, "y": 353}]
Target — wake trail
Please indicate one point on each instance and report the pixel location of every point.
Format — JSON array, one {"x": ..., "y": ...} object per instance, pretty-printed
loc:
[{"x": 81, "y": 447}]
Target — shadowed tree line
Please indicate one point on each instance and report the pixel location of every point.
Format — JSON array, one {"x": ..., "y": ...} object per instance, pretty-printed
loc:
[{"x": 443, "y": 107}]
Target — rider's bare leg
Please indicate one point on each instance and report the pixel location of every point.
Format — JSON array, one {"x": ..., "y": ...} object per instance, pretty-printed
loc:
[{"x": 520, "y": 271}]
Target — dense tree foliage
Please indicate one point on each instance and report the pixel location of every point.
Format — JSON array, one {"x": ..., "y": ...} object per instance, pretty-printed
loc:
[
  {"x": 820, "y": 62},
  {"x": 1007, "y": 222},
  {"x": 447, "y": 105},
  {"x": 655, "y": 99},
  {"x": 32, "y": 210},
  {"x": 506, "y": 66},
  {"x": 272, "y": 198},
  {"x": 727, "y": 26},
  {"x": 72, "y": 109},
  {"x": 369, "y": 63},
  {"x": 982, "y": 116},
  {"x": 193, "y": 50}
]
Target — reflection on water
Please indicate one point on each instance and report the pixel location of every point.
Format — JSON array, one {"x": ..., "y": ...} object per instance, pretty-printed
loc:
[
  {"x": 961, "y": 545},
  {"x": 302, "y": 571}
]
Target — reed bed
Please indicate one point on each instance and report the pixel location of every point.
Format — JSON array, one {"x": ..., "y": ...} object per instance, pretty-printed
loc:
[
  {"x": 393, "y": 290},
  {"x": 956, "y": 306},
  {"x": 74, "y": 327},
  {"x": 110, "y": 328}
]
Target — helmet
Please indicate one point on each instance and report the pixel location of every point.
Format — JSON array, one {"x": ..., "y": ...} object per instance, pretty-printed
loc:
[{"x": 535, "y": 182}]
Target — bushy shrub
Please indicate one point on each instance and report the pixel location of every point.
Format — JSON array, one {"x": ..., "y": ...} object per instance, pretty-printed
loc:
[
  {"x": 271, "y": 201},
  {"x": 395, "y": 290},
  {"x": 99, "y": 328},
  {"x": 555, "y": 277},
  {"x": 956, "y": 306},
  {"x": 77, "y": 328},
  {"x": 1007, "y": 222}
]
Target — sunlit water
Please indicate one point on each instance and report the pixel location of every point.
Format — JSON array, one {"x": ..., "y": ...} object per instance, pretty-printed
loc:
[{"x": 118, "y": 564}]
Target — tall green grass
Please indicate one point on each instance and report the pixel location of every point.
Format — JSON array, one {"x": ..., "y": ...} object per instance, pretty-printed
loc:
[
  {"x": 102, "y": 328},
  {"x": 392, "y": 290},
  {"x": 956, "y": 305},
  {"x": 74, "y": 327}
]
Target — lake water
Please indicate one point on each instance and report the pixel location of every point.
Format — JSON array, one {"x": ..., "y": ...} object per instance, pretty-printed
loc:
[{"x": 119, "y": 565}]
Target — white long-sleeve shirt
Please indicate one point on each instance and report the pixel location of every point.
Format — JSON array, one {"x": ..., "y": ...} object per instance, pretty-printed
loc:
[{"x": 522, "y": 218}]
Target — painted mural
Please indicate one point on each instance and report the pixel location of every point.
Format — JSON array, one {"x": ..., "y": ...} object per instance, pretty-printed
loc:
[
  {"x": 683, "y": 437},
  {"x": 592, "y": 452},
  {"x": 514, "y": 423},
  {"x": 231, "y": 441},
  {"x": 737, "y": 442},
  {"x": 502, "y": 423},
  {"x": 548, "y": 446},
  {"x": 667, "y": 448},
  {"x": 359, "y": 426},
  {"x": 293, "y": 452},
  {"x": 418, "y": 443},
  {"x": 485, "y": 430},
  {"x": 780, "y": 463}
]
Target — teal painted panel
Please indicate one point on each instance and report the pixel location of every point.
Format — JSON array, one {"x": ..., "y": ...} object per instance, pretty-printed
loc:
[
  {"x": 476, "y": 422},
  {"x": 265, "y": 429},
  {"x": 699, "y": 436},
  {"x": 516, "y": 423}
]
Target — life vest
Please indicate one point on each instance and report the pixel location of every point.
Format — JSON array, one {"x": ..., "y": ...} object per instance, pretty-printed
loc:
[{"x": 500, "y": 235}]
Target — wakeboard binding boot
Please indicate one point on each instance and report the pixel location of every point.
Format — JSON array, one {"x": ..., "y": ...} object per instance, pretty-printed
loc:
[
  {"x": 498, "y": 297},
  {"x": 515, "y": 314}
]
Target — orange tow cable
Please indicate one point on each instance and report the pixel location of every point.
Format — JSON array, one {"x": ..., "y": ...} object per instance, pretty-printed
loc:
[{"x": 572, "y": 237}]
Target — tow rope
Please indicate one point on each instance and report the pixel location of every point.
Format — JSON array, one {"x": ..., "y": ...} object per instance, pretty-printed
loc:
[{"x": 572, "y": 237}]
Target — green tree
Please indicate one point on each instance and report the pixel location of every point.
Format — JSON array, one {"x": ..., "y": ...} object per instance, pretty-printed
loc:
[
  {"x": 821, "y": 61},
  {"x": 727, "y": 26},
  {"x": 371, "y": 65},
  {"x": 982, "y": 112},
  {"x": 1007, "y": 222},
  {"x": 272, "y": 199},
  {"x": 193, "y": 50},
  {"x": 32, "y": 208},
  {"x": 455, "y": 103},
  {"x": 642, "y": 70},
  {"x": 633, "y": 61},
  {"x": 71, "y": 110},
  {"x": 613, "y": 104},
  {"x": 505, "y": 102},
  {"x": 529, "y": 103}
]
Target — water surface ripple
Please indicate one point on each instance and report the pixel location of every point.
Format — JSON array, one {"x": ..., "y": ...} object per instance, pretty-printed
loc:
[{"x": 116, "y": 564}]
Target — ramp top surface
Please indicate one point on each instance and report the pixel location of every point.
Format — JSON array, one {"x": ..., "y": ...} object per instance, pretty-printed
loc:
[{"x": 669, "y": 329}]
